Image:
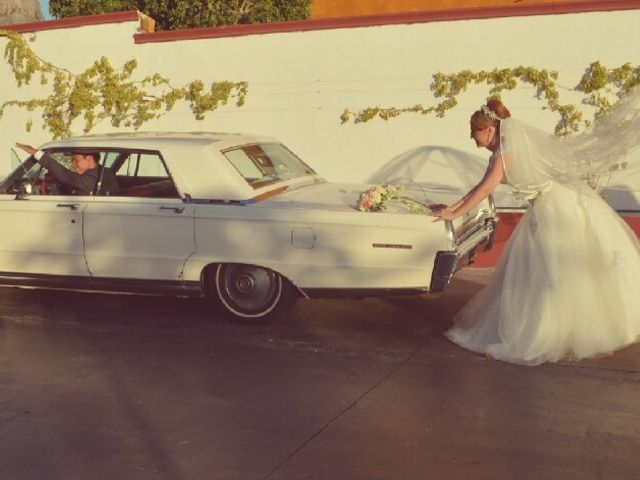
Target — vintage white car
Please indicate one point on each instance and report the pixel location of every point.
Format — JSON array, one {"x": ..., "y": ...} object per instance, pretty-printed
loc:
[{"x": 237, "y": 218}]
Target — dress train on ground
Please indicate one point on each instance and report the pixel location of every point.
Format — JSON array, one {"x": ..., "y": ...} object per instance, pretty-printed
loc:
[{"x": 566, "y": 287}]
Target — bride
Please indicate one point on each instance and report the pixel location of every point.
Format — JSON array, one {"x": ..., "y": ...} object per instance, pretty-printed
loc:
[{"x": 566, "y": 286}]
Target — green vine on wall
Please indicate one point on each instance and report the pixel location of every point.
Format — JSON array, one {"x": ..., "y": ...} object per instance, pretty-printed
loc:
[
  {"x": 103, "y": 92},
  {"x": 598, "y": 85}
]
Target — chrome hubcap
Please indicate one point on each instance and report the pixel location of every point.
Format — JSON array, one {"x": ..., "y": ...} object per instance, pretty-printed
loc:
[
  {"x": 245, "y": 282},
  {"x": 248, "y": 290}
]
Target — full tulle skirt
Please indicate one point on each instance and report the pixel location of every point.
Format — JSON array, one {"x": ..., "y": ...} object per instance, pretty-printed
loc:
[{"x": 567, "y": 286}]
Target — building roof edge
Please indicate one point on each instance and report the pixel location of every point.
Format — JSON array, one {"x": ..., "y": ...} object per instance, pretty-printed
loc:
[
  {"x": 71, "y": 22},
  {"x": 472, "y": 13}
]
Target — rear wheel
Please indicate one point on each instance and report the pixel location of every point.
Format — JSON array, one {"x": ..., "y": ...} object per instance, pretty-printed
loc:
[{"x": 249, "y": 293}]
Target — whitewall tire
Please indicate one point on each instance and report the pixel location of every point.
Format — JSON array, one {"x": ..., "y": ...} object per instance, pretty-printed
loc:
[{"x": 249, "y": 293}]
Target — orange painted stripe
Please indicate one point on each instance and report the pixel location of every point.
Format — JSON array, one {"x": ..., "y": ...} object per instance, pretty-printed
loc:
[
  {"x": 344, "y": 8},
  {"x": 508, "y": 222},
  {"x": 269, "y": 194},
  {"x": 634, "y": 223}
]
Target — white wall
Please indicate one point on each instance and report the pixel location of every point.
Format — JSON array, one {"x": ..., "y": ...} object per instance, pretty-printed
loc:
[{"x": 299, "y": 83}]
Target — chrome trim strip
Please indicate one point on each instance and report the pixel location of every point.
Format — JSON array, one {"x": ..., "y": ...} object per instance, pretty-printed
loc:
[
  {"x": 492, "y": 204},
  {"x": 93, "y": 284},
  {"x": 494, "y": 222},
  {"x": 451, "y": 237},
  {"x": 448, "y": 261},
  {"x": 392, "y": 245},
  {"x": 219, "y": 201},
  {"x": 478, "y": 236}
]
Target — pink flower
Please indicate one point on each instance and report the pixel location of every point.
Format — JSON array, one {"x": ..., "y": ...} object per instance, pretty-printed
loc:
[{"x": 373, "y": 199}]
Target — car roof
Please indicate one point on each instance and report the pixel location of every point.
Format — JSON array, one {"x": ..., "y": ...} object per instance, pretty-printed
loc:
[
  {"x": 201, "y": 176},
  {"x": 153, "y": 140}
]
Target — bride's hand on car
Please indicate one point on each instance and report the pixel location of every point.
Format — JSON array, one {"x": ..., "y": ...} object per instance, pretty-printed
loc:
[
  {"x": 444, "y": 214},
  {"x": 436, "y": 207}
]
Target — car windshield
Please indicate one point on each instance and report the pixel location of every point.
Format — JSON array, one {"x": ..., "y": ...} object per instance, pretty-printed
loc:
[{"x": 266, "y": 163}]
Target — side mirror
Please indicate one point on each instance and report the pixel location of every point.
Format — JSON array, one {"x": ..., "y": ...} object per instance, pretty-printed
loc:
[{"x": 23, "y": 187}]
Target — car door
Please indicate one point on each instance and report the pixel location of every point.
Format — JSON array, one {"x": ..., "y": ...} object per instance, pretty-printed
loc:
[
  {"x": 40, "y": 230},
  {"x": 143, "y": 232}
]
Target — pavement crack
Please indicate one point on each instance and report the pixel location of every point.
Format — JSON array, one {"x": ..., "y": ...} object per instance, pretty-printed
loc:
[{"x": 344, "y": 411}]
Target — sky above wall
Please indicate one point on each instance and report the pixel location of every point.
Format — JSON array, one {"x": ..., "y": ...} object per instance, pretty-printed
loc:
[{"x": 44, "y": 5}]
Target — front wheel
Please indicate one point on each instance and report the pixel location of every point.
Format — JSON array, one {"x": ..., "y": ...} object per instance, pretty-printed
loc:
[{"x": 249, "y": 293}]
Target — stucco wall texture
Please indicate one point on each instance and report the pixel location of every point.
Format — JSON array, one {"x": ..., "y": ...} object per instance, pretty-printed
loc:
[{"x": 303, "y": 75}]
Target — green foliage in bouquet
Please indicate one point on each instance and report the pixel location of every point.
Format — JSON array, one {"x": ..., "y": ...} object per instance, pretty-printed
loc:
[{"x": 390, "y": 197}]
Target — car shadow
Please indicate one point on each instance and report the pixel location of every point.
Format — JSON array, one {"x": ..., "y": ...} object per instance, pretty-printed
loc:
[{"x": 394, "y": 323}]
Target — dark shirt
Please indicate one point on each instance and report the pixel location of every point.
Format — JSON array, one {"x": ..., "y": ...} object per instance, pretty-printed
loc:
[{"x": 82, "y": 183}]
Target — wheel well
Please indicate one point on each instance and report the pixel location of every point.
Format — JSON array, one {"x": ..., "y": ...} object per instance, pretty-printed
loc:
[{"x": 208, "y": 270}]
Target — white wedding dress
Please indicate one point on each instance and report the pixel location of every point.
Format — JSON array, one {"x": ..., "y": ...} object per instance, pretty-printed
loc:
[{"x": 567, "y": 286}]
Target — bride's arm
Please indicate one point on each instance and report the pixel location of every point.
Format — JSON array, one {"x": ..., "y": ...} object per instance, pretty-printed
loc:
[
  {"x": 477, "y": 194},
  {"x": 455, "y": 205},
  {"x": 462, "y": 200}
]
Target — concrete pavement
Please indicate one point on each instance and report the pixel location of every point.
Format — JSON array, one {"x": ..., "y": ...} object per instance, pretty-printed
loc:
[{"x": 106, "y": 387}]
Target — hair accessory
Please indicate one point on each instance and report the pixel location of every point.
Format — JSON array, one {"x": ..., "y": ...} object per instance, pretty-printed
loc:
[{"x": 490, "y": 114}]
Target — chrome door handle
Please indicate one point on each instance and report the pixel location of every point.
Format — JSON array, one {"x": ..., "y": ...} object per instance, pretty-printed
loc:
[
  {"x": 72, "y": 206},
  {"x": 179, "y": 209}
]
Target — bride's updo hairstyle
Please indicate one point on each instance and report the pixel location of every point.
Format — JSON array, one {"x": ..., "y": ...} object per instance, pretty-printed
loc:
[{"x": 489, "y": 115}]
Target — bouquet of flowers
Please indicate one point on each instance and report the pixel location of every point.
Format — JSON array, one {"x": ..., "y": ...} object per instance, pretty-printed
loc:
[
  {"x": 378, "y": 198},
  {"x": 373, "y": 199}
]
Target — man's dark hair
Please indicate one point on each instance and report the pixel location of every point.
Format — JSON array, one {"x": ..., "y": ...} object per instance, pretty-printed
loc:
[{"x": 95, "y": 155}]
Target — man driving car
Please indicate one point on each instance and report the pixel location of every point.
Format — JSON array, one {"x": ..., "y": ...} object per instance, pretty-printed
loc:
[{"x": 89, "y": 176}]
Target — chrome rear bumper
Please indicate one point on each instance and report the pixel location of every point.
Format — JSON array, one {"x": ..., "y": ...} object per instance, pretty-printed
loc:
[{"x": 448, "y": 261}]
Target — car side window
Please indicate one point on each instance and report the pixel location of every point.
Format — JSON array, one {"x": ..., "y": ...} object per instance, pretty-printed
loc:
[
  {"x": 264, "y": 164},
  {"x": 142, "y": 174},
  {"x": 24, "y": 180},
  {"x": 31, "y": 178}
]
